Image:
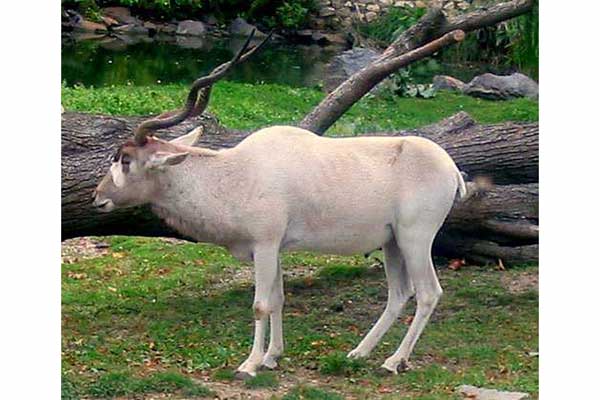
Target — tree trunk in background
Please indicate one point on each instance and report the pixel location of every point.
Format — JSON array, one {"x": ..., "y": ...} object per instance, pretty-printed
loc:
[{"x": 506, "y": 216}]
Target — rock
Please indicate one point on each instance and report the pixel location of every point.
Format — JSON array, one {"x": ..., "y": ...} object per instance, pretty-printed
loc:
[
  {"x": 496, "y": 87},
  {"x": 336, "y": 38},
  {"x": 373, "y": 7},
  {"x": 239, "y": 27},
  {"x": 327, "y": 12},
  {"x": 88, "y": 26},
  {"x": 191, "y": 28},
  {"x": 370, "y": 16},
  {"x": 108, "y": 21},
  {"x": 475, "y": 393},
  {"x": 131, "y": 29},
  {"x": 346, "y": 64},
  {"x": 120, "y": 14},
  {"x": 445, "y": 82},
  {"x": 169, "y": 29}
]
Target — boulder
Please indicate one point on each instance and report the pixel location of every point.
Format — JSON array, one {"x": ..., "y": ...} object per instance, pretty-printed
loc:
[
  {"x": 496, "y": 87},
  {"x": 346, "y": 64},
  {"x": 132, "y": 29},
  {"x": 191, "y": 28},
  {"x": 120, "y": 14},
  {"x": 84, "y": 25},
  {"x": 239, "y": 27},
  {"x": 445, "y": 82},
  {"x": 475, "y": 393}
]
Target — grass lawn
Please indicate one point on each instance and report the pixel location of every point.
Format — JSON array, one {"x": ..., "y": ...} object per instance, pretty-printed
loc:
[
  {"x": 246, "y": 106},
  {"x": 154, "y": 316}
]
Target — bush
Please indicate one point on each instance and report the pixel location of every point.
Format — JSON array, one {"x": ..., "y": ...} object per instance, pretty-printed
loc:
[
  {"x": 390, "y": 25},
  {"x": 289, "y": 14}
]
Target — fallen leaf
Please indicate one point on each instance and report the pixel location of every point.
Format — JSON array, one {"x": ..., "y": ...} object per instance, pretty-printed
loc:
[
  {"x": 409, "y": 319},
  {"x": 456, "y": 263},
  {"x": 76, "y": 275},
  {"x": 384, "y": 389},
  {"x": 118, "y": 255}
]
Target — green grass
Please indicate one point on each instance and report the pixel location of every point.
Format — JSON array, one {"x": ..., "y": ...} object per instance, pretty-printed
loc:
[
  {"x": 247, "y": 107},
  {"x": 262, "y": 380},
  {"x": 114, "y": 384},
  {"x": 155, "y": 317},
  {"x": 310, "y": 393}
]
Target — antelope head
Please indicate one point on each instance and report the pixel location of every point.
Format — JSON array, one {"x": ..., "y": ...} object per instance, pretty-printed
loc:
[{"x": 132, "y": 177}]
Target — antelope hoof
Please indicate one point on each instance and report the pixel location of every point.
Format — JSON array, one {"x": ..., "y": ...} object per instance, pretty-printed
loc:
[
  {"x": 402, "y": 366},
  {"x": 243, "y": 375},
  {"x": 356, "y": 354},
  {"x": 269, "y": 363}
]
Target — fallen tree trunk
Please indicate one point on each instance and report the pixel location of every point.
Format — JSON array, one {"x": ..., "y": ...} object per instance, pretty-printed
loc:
[
  {"x": 500, "y": 223},
  {"x": 88, "y": 142}
]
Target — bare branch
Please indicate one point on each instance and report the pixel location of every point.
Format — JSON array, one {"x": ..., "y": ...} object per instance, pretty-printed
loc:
[{"x": 359, "y": 84}]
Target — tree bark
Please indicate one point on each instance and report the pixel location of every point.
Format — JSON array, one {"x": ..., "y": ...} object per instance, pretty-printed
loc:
[
  {"x": 432, "y": 27},
  {"x": 500, "y": 223},
  {"x": 507, "y": 153}
]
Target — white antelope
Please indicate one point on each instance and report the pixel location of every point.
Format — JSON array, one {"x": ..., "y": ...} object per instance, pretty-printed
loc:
[{"x": 284, "y": 188}]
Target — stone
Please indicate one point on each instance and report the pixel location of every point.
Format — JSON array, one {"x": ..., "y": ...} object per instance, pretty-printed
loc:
[
  {"x": 420, "y": 4},
  {"x": 121, "y": 14},
  {"x": 445, "y": 82},
  {"x": 131, "y": 29},
  {"x": 85, "y": 25},
  {"x": 496, "y": 87},
  {"x": 327, "y": 12},
  {"x": 169, "y": 29},
  {"x": 386, "y": 2},
  {"x": 346, "y": 64},
  {"x": 239, "y": 27},
  {"x": 109, "y": 21},
  {"x": 475, "y": 393},
  {"x": 373, "y": 7},
  {"x": 191, "y": 28},
  {"x": 370, "y": 16}
]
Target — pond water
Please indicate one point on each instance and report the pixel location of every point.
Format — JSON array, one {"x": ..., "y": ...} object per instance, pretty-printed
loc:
[
  {"x": 104, "y": 61},
  {"x": 143, "y": 61}
]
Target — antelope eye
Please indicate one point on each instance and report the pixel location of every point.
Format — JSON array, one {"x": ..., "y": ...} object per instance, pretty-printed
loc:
[{"x": 125, "y": 160}]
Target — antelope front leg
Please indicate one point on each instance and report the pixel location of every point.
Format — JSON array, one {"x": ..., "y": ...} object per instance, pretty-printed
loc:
[{"x": 265, "y": 273}]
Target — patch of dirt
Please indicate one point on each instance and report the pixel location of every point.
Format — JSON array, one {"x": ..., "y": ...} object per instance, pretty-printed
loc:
[
  {"x": 522, "y": 282},
  {"x": 74, "y": 250}
]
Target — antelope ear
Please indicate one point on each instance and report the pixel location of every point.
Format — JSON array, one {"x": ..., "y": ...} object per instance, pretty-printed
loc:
[
  {"x": 189, "y": 139},
  {"x": 165, "y": 159}
]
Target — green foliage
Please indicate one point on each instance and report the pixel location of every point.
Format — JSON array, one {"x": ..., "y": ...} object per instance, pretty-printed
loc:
[
  {"x": 122, "y": 383},
  {"x": 246, "y": 107},
  {"x": 266, "y": 379},
  {"x": 512, "y": 43},
  {"x": 342, "y": 272},
  {"x": 403, "y": 85},
  {"x": 68, "y": 390},
  {"x": 339, "y": 364},
  {"x": 389, "y": 26},
  {"x": 310, "y": 393},
  {"x": 289, "y": 14}
]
